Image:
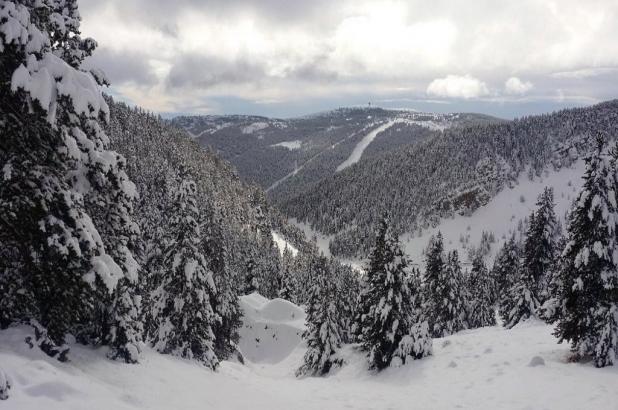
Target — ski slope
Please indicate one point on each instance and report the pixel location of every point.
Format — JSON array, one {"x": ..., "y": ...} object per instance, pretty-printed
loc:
[
  {"x": 485, "y": 369},
  {"x": 362, "y": 145}
]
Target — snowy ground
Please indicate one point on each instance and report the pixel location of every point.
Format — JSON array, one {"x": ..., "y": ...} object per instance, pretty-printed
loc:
[
  {"x": 489, "y": 368},
  {"x": 502, "y": 214}
]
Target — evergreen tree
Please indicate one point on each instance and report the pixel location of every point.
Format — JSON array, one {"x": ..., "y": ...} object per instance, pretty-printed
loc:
[
  {"x": 348, "y": 288},
  {"x": 540, "y": 253},
  {"x": 183, "y": 302},
  {"x": 323, "y": 334},
  {"x": 390, "y": 328},
  {"x": 435, "y": 267},
  {"x": 506, "y": 266},
  {"x": 588, "y": 293},
  {"x": 252, "y": 282},
  {"x": 449, "y": 304},
  {"x": 520, "y": 302},
  {"x": 56, "y": 163},
  {"x": 226, "y": 305},
  {"x": 481, "y": 308},
  {"x": 287, "y": 286}
]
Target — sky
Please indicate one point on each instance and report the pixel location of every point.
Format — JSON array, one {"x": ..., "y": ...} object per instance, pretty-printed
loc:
[{"x": 286, "y": 58}]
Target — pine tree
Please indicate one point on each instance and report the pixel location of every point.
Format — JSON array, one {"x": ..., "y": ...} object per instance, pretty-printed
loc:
[
  {"x": 448, "y": 303},
  {"x": 505, "y": 268},
  {"x": 588, "y": 293},
  {"x": 390, "y": 330},
  {"x": 540, "y": 253},
  {"x": 226, "y": 304},
  {"x": 252, "y": 282},
  {"x": 183, "y": 302},
  {"x": 323, "y": 334},
  {"x": 287, "y": 286},
  {"x": 348, "y": 289},
  {"x": 481, "y": 308},
  {"x": 435, "y": 266},
  {"x": 52, "y": 143},
  {"x": 520, "y": 303}
]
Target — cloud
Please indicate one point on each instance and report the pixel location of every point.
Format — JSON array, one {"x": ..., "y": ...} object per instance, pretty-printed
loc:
[
  {"x": 189, "y": 51},
  {"x": 123, "y": 66},
  {"x": 515, "y": 86},
  {"x": 455, "y": 86},
  {"x": 585, "y": 73},
  {"x": 209, "y": 71}
]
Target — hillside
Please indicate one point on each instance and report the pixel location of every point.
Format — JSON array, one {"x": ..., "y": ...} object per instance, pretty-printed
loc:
[
  {"x": 454, "y": 173},
  {"x": 157, "y": 151},
  {"x": 488, "y": 368},
  {"x": 287, "y": 156}
]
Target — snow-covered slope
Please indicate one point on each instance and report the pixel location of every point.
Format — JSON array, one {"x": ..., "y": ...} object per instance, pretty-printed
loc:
[
  {"x": 358, "y": 150},
  {"x": 489, "y": 368},
  {"x": 502, "y": 214}
]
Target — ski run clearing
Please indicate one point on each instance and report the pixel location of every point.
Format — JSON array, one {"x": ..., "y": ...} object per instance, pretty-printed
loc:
[
  {"x": 358, "y": 150},
  {"x": 488, "y": 368}
]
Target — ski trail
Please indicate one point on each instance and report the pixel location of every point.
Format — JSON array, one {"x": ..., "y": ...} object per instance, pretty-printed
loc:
[
  {"x": 291, "y": 174},
  {"x": 356, "y": 154}
]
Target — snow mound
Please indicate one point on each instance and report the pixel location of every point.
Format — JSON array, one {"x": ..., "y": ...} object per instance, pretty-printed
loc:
[
  {"x": 281, "y": 310},
  {"x": 271, "y": 330}
]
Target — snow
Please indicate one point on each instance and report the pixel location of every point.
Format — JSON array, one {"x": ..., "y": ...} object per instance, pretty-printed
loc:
[
  {"x": 291, "y": 145},
  {"x": 282, "y": 243},
  {"x": 502, "y": 214},
  {"x": 486, "y": 369},
  {"x": 271, "y": 329},
  {"x": 358, "y": 150},
  {"x": 256, "y": 126}
]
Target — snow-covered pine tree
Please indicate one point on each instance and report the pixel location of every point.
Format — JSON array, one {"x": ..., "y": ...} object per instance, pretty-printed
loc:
[
  {"x": 481, "y": 310},
  {"x": 505, "y": 269},
  {"x": 183, "y": 302},
  {"x": 589, "y": 277},
  {"x": 449, "y": 303},
  {"x": 550, "y": 310},
  {"x": 540, "y": 253},
  {"x": 323, "y": 334},
  {"x": 435, "y": 265},
  {"x": 50, "y": 112},
  {"x": 390, "y": 328},
  {"x": 520, "y": 302},
  {"x": 287, "y": 287},
  {"x": 252, "y": 282},
  {"x": 226, "y": 304},
  {"x": 348, "y": 288}
]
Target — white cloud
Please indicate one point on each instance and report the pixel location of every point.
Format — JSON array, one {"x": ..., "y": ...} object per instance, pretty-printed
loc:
[
  {"x": 455, "y": 86},
  {"x": 515, "y": 86},
  {"x": 295, "y": 50}
]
